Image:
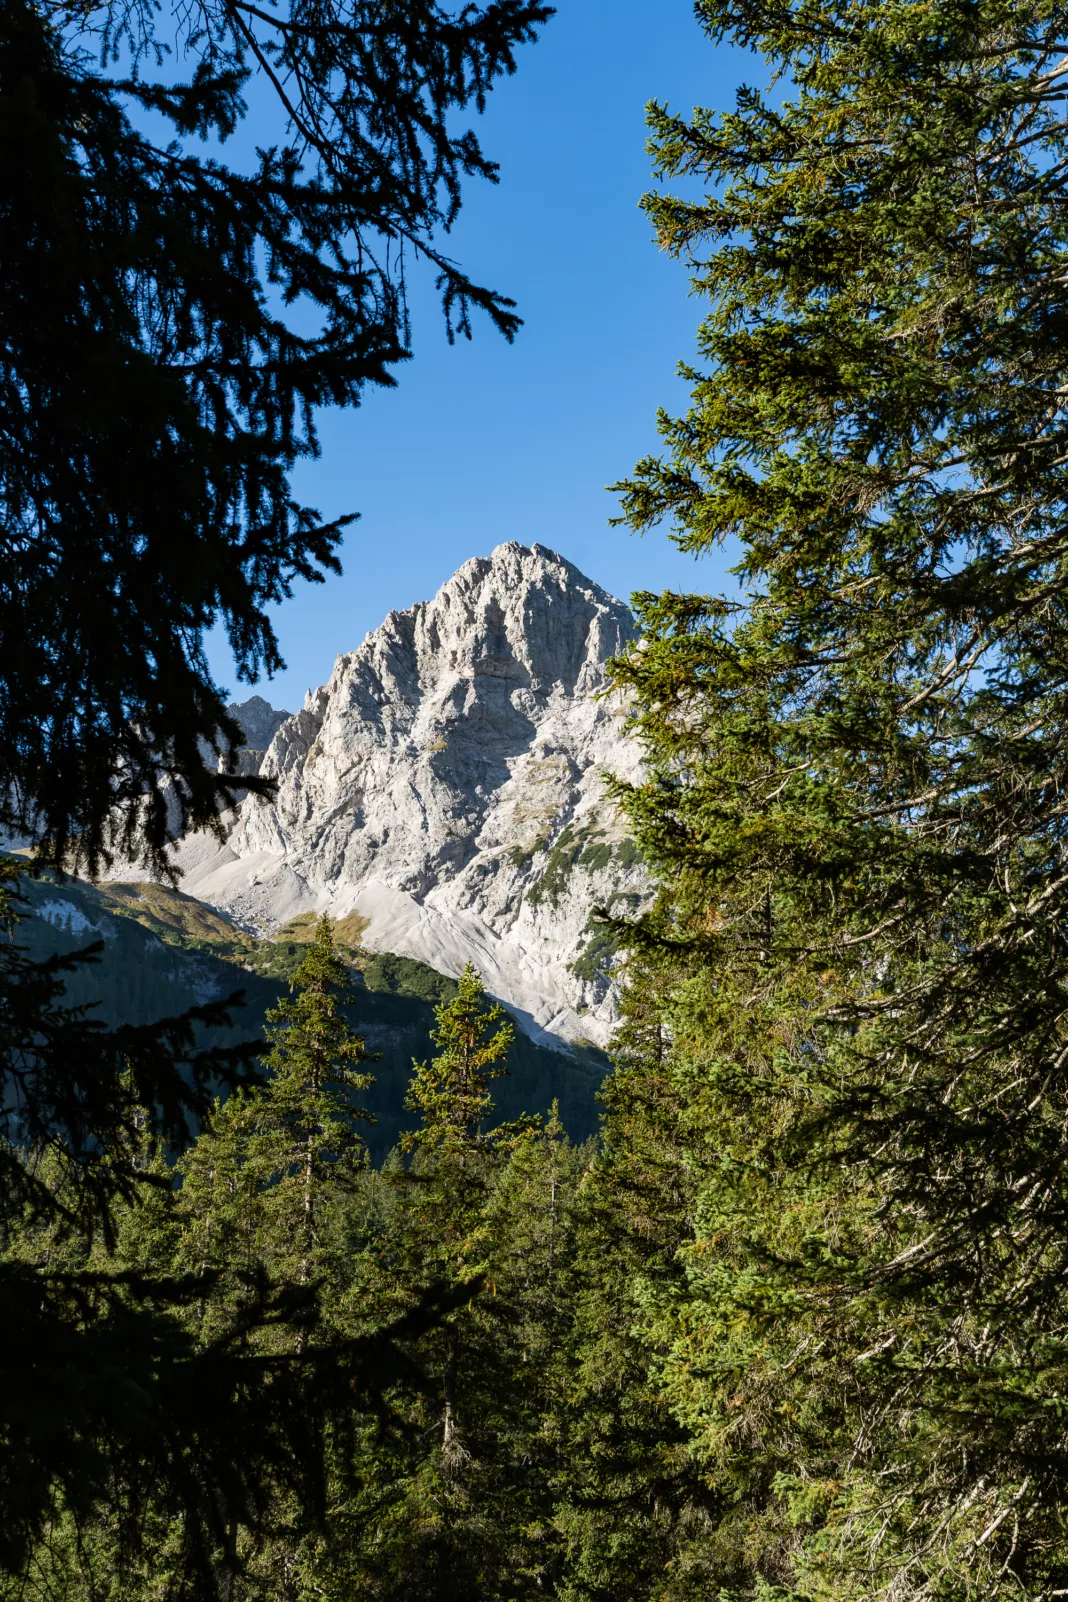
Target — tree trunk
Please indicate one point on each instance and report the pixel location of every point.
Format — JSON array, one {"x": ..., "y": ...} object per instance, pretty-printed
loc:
[{"x": 451, "y": 1450}]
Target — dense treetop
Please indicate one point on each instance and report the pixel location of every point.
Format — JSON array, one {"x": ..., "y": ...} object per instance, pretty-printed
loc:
[
  {"x": 171, "y": 320},
  {"x": 855, "y": 800}
]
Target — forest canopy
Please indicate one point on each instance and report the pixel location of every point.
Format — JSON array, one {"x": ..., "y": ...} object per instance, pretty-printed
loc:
[
  {"x": 794, "y": 1326},
  {"x": 855, "y": 804}
]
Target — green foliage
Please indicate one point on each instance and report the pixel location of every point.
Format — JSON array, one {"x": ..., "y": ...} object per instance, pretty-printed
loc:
[
  {"x": 169, "y": 326},
  {"x": 250, "y": 1255},
  {"x": 596, "y": 856},
  {"x": 258, "y": 1181},
  {"x": 572, "y": 848},
  {"x": 523, "y": 856},
  {"x": 464, "y": 1260},
  {"x": 172, "y": 324},
  {"x": 105, "y": 1397},
  {"x": 83, "y": 1094},
  {"x": 597, "y": 959},
  {"x": 116, "y": 1278},
  {"x": 795, "y": 1330},
  {"x": 160, "y": 956},
  {"x": 384, "y": 974},
  {"x": 451, "y": 1092},
  {"x": 633, "y": 1503},
  {"x": 853, "y": 804},
  {"x": 628, "y": 855},
  {"x": 558, "y": 864},
  {"x": 594, "y": 962},
  {"x": 460, "y": 1503}
]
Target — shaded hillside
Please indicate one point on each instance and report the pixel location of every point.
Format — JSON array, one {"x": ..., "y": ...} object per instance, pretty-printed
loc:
[{"x": 164, "y": 952}]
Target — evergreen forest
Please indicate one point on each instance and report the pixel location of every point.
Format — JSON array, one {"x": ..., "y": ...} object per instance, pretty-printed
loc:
[{"x": 784, "y": 1318}]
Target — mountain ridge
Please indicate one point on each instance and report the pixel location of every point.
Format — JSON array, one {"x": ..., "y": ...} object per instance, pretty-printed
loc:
[{"x": 445, "y": 786}]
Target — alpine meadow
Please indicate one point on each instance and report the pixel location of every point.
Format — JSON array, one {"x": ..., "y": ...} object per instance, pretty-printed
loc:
[{"x": 788, "y": 1322}]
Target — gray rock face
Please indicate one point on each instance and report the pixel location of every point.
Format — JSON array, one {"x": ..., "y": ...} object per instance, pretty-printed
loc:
[
  {"x": 259, "y": 722},
  {"x": 446, "y": 783}
]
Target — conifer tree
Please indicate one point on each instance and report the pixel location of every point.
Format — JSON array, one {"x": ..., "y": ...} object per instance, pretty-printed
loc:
[
  {"x": 85, "y": 1334},
  {"x": 451, "y": 1092},
  {"x": 854, "y": 802},
  {"x": 263, "y": 1185},
  {"x": 169, "y": 326},
  {"x": 216, "y": 1308},
  {"x": 434, "y": 1518},
  {"x": 158, "y": 382},
  {"x": 536, "y": 1279},
  {"x": 263, "y": 1211},
  {"x": 632, "y": 1502}
]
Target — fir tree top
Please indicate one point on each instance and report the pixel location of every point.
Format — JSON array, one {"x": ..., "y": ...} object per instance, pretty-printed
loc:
[{"x": 452, "y": 1090}]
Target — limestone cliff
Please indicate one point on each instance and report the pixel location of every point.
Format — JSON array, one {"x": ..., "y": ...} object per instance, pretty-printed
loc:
[
  {"x": 445, "y": 784},
  {"x": 259, "y": 722}
]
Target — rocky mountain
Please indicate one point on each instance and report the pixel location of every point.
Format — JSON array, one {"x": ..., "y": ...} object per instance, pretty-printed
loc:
[
  {"x": 445, "y": 789},
  {"x": 259, "y": 722}
]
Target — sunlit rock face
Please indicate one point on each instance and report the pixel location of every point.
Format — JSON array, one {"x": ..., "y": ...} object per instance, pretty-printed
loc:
[{"x": 446, "y": 783}]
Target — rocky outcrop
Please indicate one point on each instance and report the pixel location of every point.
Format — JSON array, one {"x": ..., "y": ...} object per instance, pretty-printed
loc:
[
  {"x": 259, "y": 722},
  {"x": 446, "y": 784}
]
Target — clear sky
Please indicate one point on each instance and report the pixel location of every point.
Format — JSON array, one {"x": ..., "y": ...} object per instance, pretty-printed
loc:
[{"x": 485, "y": 442}]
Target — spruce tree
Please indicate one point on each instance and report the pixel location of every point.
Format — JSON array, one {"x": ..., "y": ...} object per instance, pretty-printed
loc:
[
  {"x": 854, "y": 802},
  {"x": 263, "y": 1214},
  {"x": 535, "y": 1279},
  {"x": 435, "y": 1516},
  {"x": 96, "y": 1369},
  {"x": 170, "y": 324},
  {"x": 263, "y": 1186},
  {"x": 632, "y": 1501},
  {"x": 451, "y": 1092},
  {"x": 453, "y": 1173},
  {"x": 180, "y": 1381}
]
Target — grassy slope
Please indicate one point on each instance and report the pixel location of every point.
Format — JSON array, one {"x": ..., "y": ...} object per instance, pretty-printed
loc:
[{"x": 164, "y": 951}]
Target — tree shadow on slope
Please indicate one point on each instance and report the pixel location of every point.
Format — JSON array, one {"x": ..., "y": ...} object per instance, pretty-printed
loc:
[{"x": 158, "y": 959}]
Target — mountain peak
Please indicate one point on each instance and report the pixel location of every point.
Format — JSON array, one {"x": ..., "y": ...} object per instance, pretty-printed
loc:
[
  {"x": 529, "y": 566},
  {"x": 258, "y": 719},
  {"x": 446, "y": 784}
]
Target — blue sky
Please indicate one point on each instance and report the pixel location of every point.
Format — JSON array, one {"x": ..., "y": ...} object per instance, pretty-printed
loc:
[{"x": 485, "y": 442}]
